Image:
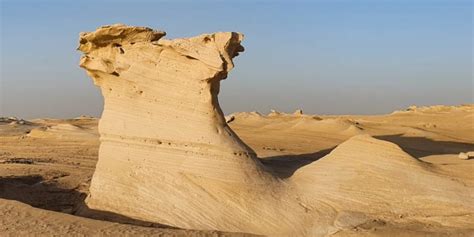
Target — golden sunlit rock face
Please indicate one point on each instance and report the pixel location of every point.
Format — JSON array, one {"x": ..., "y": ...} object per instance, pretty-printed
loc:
[{"x": 167, "y": 154}]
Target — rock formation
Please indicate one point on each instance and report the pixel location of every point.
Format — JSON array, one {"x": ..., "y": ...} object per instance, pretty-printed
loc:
[
  {"x": 298, "y": 112},
  {"x": 466, "y": 155},
  {"x": 167, "y": 154}
]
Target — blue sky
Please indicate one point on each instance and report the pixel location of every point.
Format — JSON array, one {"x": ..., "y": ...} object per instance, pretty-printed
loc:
[{"x": 326, "y": 57}]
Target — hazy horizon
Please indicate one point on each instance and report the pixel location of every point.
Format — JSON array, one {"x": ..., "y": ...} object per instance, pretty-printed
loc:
[{"x": 325, "y": 57}]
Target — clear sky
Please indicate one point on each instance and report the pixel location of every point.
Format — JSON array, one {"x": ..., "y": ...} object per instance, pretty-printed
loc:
[{"x": 326, "y": 57}]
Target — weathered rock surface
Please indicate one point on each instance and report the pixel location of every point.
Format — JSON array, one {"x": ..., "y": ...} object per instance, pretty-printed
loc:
[{"x": 167, "y": 154}]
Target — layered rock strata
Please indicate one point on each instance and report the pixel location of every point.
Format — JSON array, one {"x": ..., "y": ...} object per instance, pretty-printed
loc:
[{"x": 167, "y": 154}]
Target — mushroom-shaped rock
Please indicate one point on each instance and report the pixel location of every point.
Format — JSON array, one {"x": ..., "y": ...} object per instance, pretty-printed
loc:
[{"x": 167, "y": 154}]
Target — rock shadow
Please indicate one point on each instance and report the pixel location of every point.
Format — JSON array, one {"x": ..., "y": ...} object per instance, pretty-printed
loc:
[
  {"x": 285, "y": 166},
  {"x": 37, "y": 192},
  {"x": 421, "y": 146},
  {"x": 34, "y": 190}
]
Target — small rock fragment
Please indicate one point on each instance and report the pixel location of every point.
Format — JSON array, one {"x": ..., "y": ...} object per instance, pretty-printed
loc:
[
  {"x": 229, "y": 119},
  {"x": 298, "y": 112},
  {"x": 466, "y": 155}
]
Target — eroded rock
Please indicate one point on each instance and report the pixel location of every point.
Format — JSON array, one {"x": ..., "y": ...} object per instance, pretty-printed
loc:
[
  {"x": 168, "y": 156},
  {"x": 466, "y": 155}
]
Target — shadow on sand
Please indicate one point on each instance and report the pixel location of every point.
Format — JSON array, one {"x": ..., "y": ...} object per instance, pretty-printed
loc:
[
  {"x": 421, "y": 146},
  {"x": 46, "y": 194},
  {"x": 284, "y": 166}
]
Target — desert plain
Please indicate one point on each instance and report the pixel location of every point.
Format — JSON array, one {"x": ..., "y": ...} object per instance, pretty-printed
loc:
[{"x": 164, "y": 161}]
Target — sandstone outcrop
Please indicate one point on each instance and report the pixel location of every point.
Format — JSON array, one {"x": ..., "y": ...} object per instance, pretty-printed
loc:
[{"x": 167, "y": 154}]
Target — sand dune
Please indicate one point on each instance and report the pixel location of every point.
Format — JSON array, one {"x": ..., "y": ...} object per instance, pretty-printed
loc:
[
  {"x": 62, "y": 130},
  {"x": 384, "y": 177}
]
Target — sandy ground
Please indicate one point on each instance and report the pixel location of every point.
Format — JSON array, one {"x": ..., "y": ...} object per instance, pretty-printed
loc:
[{"x": 46, "y": 166}]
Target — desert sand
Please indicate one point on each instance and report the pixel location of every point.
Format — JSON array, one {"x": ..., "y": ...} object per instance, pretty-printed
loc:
[{"x": 163, "y": 159}]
